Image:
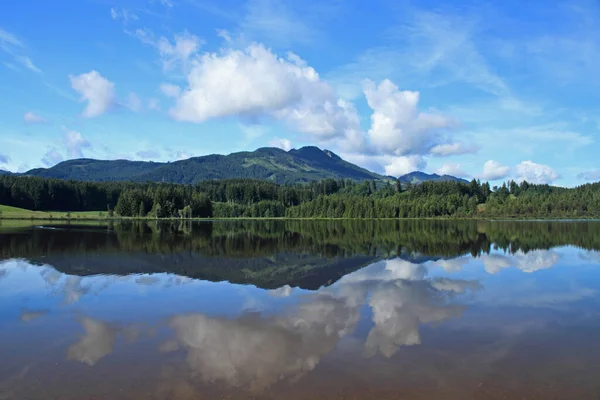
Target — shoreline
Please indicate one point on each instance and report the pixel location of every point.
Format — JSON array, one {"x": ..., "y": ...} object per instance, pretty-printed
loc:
[{"x": 120, "y": 219}]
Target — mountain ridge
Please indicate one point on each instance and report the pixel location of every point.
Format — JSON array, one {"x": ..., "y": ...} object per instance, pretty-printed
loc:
[{"x": 301, "y": 165}]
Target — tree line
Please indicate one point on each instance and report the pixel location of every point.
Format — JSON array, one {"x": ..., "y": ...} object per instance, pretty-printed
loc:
[{"x": 329, "y": 198}]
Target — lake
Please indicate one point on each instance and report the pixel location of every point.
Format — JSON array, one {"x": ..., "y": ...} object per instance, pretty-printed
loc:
[{"x": 300, "y": 310}]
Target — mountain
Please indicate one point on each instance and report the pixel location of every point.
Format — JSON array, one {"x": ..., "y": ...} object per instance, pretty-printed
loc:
[
  {"x": 3, "y": 172},
  {"x": 417, "y": 177},
  {"x": 297, "y": 165}
]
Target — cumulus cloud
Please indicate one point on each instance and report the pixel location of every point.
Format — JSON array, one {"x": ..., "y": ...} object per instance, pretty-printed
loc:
[
  {"x": 397, "y": 166},
  {"x": 443, "y": 150},
  {"x": 75, "y": 143},
  {"x": 97, "y": 91},
  {"x": 237, "y": 82},
  {"x": 254, "y": 82},
  {"x": 397, "y": 127},
  {"x": 451, "y": 169},
  {"x": 493, "y": 170},
  {"x": 32, "y": 118},
  {"x": 535, "y": 173},
  {"x": 284, "y": 144}
]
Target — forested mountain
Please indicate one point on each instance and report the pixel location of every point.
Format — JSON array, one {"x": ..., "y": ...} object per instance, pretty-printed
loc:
[
  {"x": 3, "y": 172},
  {"x": 276, "y": 165},
  {"x": 417, "y": 177}
]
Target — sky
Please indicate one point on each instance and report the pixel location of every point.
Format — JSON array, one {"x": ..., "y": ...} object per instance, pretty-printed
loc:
[{"x": 485, "y": 90}]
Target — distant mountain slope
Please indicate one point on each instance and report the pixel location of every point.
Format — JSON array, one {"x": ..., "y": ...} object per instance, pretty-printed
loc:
[
  {"x": 301, "y": 165},
  {"x": 298, "y": 165},
  {"x": 417, "y": 177},
  {"x": 3, "y": 172}
]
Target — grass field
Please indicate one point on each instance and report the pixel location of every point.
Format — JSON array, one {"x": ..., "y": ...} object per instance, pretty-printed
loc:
[{"x": 7, "y": 212}]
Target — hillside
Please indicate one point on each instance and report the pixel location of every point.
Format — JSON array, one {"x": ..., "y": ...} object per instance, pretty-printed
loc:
[
  {"x": 417, "y": 177},
  {"x": 301, "y": 165},
  {"x": 3, "y": 172},
  {"x": 295, "y": 166}
]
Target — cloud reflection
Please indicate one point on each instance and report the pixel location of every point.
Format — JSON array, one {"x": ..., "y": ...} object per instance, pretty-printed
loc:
[
  {"x": 527, "y": 262},
  {"x": 255, "y": 351},
  {"x": 97, "y": 342}
]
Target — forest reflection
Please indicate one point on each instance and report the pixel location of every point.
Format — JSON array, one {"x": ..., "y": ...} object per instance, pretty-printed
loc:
[{"x": 270, "y": 254}]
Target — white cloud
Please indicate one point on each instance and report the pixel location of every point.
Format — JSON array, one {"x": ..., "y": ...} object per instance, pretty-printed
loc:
[
  {"x": 493, "y": 170},
  {"x": 170, "y": 90},
  {"x": 255, "y": 82},
  {"x": 122, "y": 14},
  {"x": 398, "y": 166},
  {"x": 52, "y": 157},
  {"x": 453, "y": 149},
  {"x": 27, "y": 63},
  {"x": 535, "y": 173},
  {"x": 284, "y": 144},
  {"x": 32, "y": 118},
  {"x": 176, "y": 53},
  {"x": 251, "y": 81},
  {"x": 14, "y": 47},
  {"x": 75, "y": 143},
  {"x": 397, "y": 127},
  {"x": 592, "y": 175},
  {"x": 179, "y": 52},
  {"x": 133, "y": 102},
  {"x": 98, "y": 91},
  {"x": 451, "y": 169},
  {"x": 224, "y": 34},
  {"x": 7, "y": 38}
]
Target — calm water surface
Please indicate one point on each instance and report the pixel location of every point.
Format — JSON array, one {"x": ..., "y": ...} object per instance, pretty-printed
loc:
[{"x": 301, "y": 310}]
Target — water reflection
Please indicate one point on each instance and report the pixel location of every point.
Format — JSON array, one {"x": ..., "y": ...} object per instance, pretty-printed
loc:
[{"x": 306, "y": 309}]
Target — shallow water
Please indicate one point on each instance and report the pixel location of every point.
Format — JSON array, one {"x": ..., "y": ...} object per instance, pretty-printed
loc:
[{"x": 348, "y": 310}]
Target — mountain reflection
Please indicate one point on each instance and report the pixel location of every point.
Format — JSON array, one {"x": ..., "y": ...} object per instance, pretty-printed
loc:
[{"x": 271, "y": 254}]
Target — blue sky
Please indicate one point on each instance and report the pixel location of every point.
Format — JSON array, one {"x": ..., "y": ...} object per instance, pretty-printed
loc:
[{"x": 491, "y": 90}]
